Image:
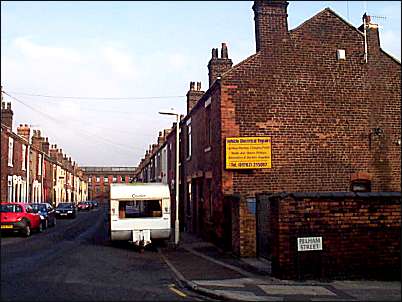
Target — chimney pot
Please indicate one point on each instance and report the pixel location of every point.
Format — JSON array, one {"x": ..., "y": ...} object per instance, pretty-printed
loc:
[
  {"x": 214, "y": 53},
  {"x": 9, "y": 105},
  {"x": 198, "y": 86},
  {"x": 3, "y": 105},
  {"x": 192, "y": 85},
  {"x": 224, "y": 51},
  {"x": 366, "y": 18}
]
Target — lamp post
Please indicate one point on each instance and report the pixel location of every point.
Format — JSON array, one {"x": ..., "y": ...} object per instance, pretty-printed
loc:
[{"x": 176, "y": 224}]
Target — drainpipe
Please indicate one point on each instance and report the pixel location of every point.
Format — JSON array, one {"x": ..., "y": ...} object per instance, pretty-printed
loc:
[
  {"x": 27, "y": 195},
  {"x": 41, "y": 181}
]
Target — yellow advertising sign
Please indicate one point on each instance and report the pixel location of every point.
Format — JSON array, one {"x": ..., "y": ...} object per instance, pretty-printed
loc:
[{"x": 248, "y": 152}]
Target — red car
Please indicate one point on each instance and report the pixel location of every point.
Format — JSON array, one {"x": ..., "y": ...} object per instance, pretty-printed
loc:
[
  {"x": 19, "y": 217},
  {"x": 83, "y": 206}
]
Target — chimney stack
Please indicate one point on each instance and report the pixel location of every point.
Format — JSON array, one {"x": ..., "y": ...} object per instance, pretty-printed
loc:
[
  {"x": 24, "y": 131},
  {"x": 218, "y": 66},
  {"x": 53, "y": 152},
  {"x": 6, "y": 113},
  {"x": 271, "y": 23},
  {"x": 166, "y": 132},
  {"x": 37, "y": 139},
  {"x": 45, "y": 146},
  {"x": 160, "y": 138},
  {"x": 60, "y": 155},
  {"x": 372, "y": 34},
  {"x": 193, "y": 95}
]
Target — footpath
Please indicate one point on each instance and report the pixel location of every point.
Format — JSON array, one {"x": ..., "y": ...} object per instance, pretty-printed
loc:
[{"x": 202, "y": 267}]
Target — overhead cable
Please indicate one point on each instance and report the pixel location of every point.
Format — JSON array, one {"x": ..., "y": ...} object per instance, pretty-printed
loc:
[
  {"x": 100, "y": 98},
  {"x": 82, "y": 131}
]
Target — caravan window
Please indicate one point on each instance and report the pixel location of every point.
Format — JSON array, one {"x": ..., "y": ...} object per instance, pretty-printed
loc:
[{"x": 140, "y": 208}]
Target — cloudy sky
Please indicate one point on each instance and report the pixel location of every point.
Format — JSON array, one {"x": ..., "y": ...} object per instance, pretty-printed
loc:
[{"x": 144, "y": 53}]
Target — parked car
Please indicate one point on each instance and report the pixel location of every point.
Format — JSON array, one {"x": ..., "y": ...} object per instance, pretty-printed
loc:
[
  {"x": 46, "y": 212},
  {"x": 66, "y": 209},
  {"x": 90, "y": 205},
  {"x": 83, "y": 206},
  {"x": 19, "y": 217},
  {"x": 95, "y": 203}
]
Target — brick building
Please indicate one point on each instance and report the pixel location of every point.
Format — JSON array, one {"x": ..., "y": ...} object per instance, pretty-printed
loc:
[
  {"x": 31, "y": 172},
  {"x": 329, "y": 105},
  {"x": 99, "y": 179},
  {"x": 154, "y": 166}
]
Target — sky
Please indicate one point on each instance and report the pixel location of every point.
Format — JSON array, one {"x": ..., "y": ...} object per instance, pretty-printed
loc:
[{"x": 146, "y": 52}]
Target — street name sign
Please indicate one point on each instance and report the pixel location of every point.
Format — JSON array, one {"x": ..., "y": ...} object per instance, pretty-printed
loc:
[{"x": 309, "y": 244}]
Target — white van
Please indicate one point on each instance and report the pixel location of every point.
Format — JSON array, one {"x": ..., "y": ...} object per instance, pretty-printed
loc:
[{"x": 139, "y": 212}]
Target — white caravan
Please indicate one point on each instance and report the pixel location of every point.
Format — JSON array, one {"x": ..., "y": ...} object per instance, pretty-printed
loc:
[{"x": 139, "y": 212}]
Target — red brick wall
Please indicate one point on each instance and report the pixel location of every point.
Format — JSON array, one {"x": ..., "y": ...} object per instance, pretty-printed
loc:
[
  {"x": 361, "y": 237},
  {"x": 16, "y": 169},
  {"x": 243, "y": 227},
  {"x": 319, "y": 111},
  {"x": 104, "y": 188},
  {"x": 4, "y": 161},
  {"x": 205, "y": 163}
]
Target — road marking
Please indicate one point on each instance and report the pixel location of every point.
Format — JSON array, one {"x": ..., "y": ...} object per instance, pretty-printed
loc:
[{"x": 177, "y": 291}]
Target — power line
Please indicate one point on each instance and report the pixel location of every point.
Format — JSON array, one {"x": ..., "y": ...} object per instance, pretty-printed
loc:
[
  {"x": 82, "y": 131},
  {"x": 100, "y": 98},
  {"x": 72, "y": 119},
  {"x": 32, "y": 108},
  {"x": 90, "y": 109}
]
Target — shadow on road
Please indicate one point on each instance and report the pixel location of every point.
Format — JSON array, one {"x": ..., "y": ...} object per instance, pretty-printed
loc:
[{"x": 125, "y": 245}]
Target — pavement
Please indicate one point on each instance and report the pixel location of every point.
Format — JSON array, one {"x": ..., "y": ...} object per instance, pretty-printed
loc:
[{"x": 204, "y": 268}]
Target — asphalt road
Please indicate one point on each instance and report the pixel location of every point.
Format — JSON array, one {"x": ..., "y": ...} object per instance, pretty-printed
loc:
[{"x": 76, "y": 261}]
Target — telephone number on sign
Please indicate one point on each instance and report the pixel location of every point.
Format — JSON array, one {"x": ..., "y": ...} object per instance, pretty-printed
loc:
[{"x": 249, "y": 165}]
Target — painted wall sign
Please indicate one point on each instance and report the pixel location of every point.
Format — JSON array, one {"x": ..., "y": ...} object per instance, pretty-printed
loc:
[
  {"x": 309, "y": 244},
  {"x": 248, "y": 152}
]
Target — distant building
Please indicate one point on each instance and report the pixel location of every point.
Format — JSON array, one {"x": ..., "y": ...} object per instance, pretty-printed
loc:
[{"x": 99, "y": 179}]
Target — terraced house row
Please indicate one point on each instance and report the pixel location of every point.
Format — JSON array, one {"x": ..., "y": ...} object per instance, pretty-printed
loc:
[
  {"x": 33, "y": 170},
  {"x": 300, "y": 140}
]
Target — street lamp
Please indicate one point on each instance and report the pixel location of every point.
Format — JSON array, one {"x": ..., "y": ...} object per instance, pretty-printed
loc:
[{"x": 176, "y": 224}]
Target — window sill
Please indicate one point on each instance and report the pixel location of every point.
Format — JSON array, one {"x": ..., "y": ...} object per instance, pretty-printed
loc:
[
  {"x": 207, "y": 149},
  {"x": 188, "y": 158},
  {"x": 10, "y": 165}
]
